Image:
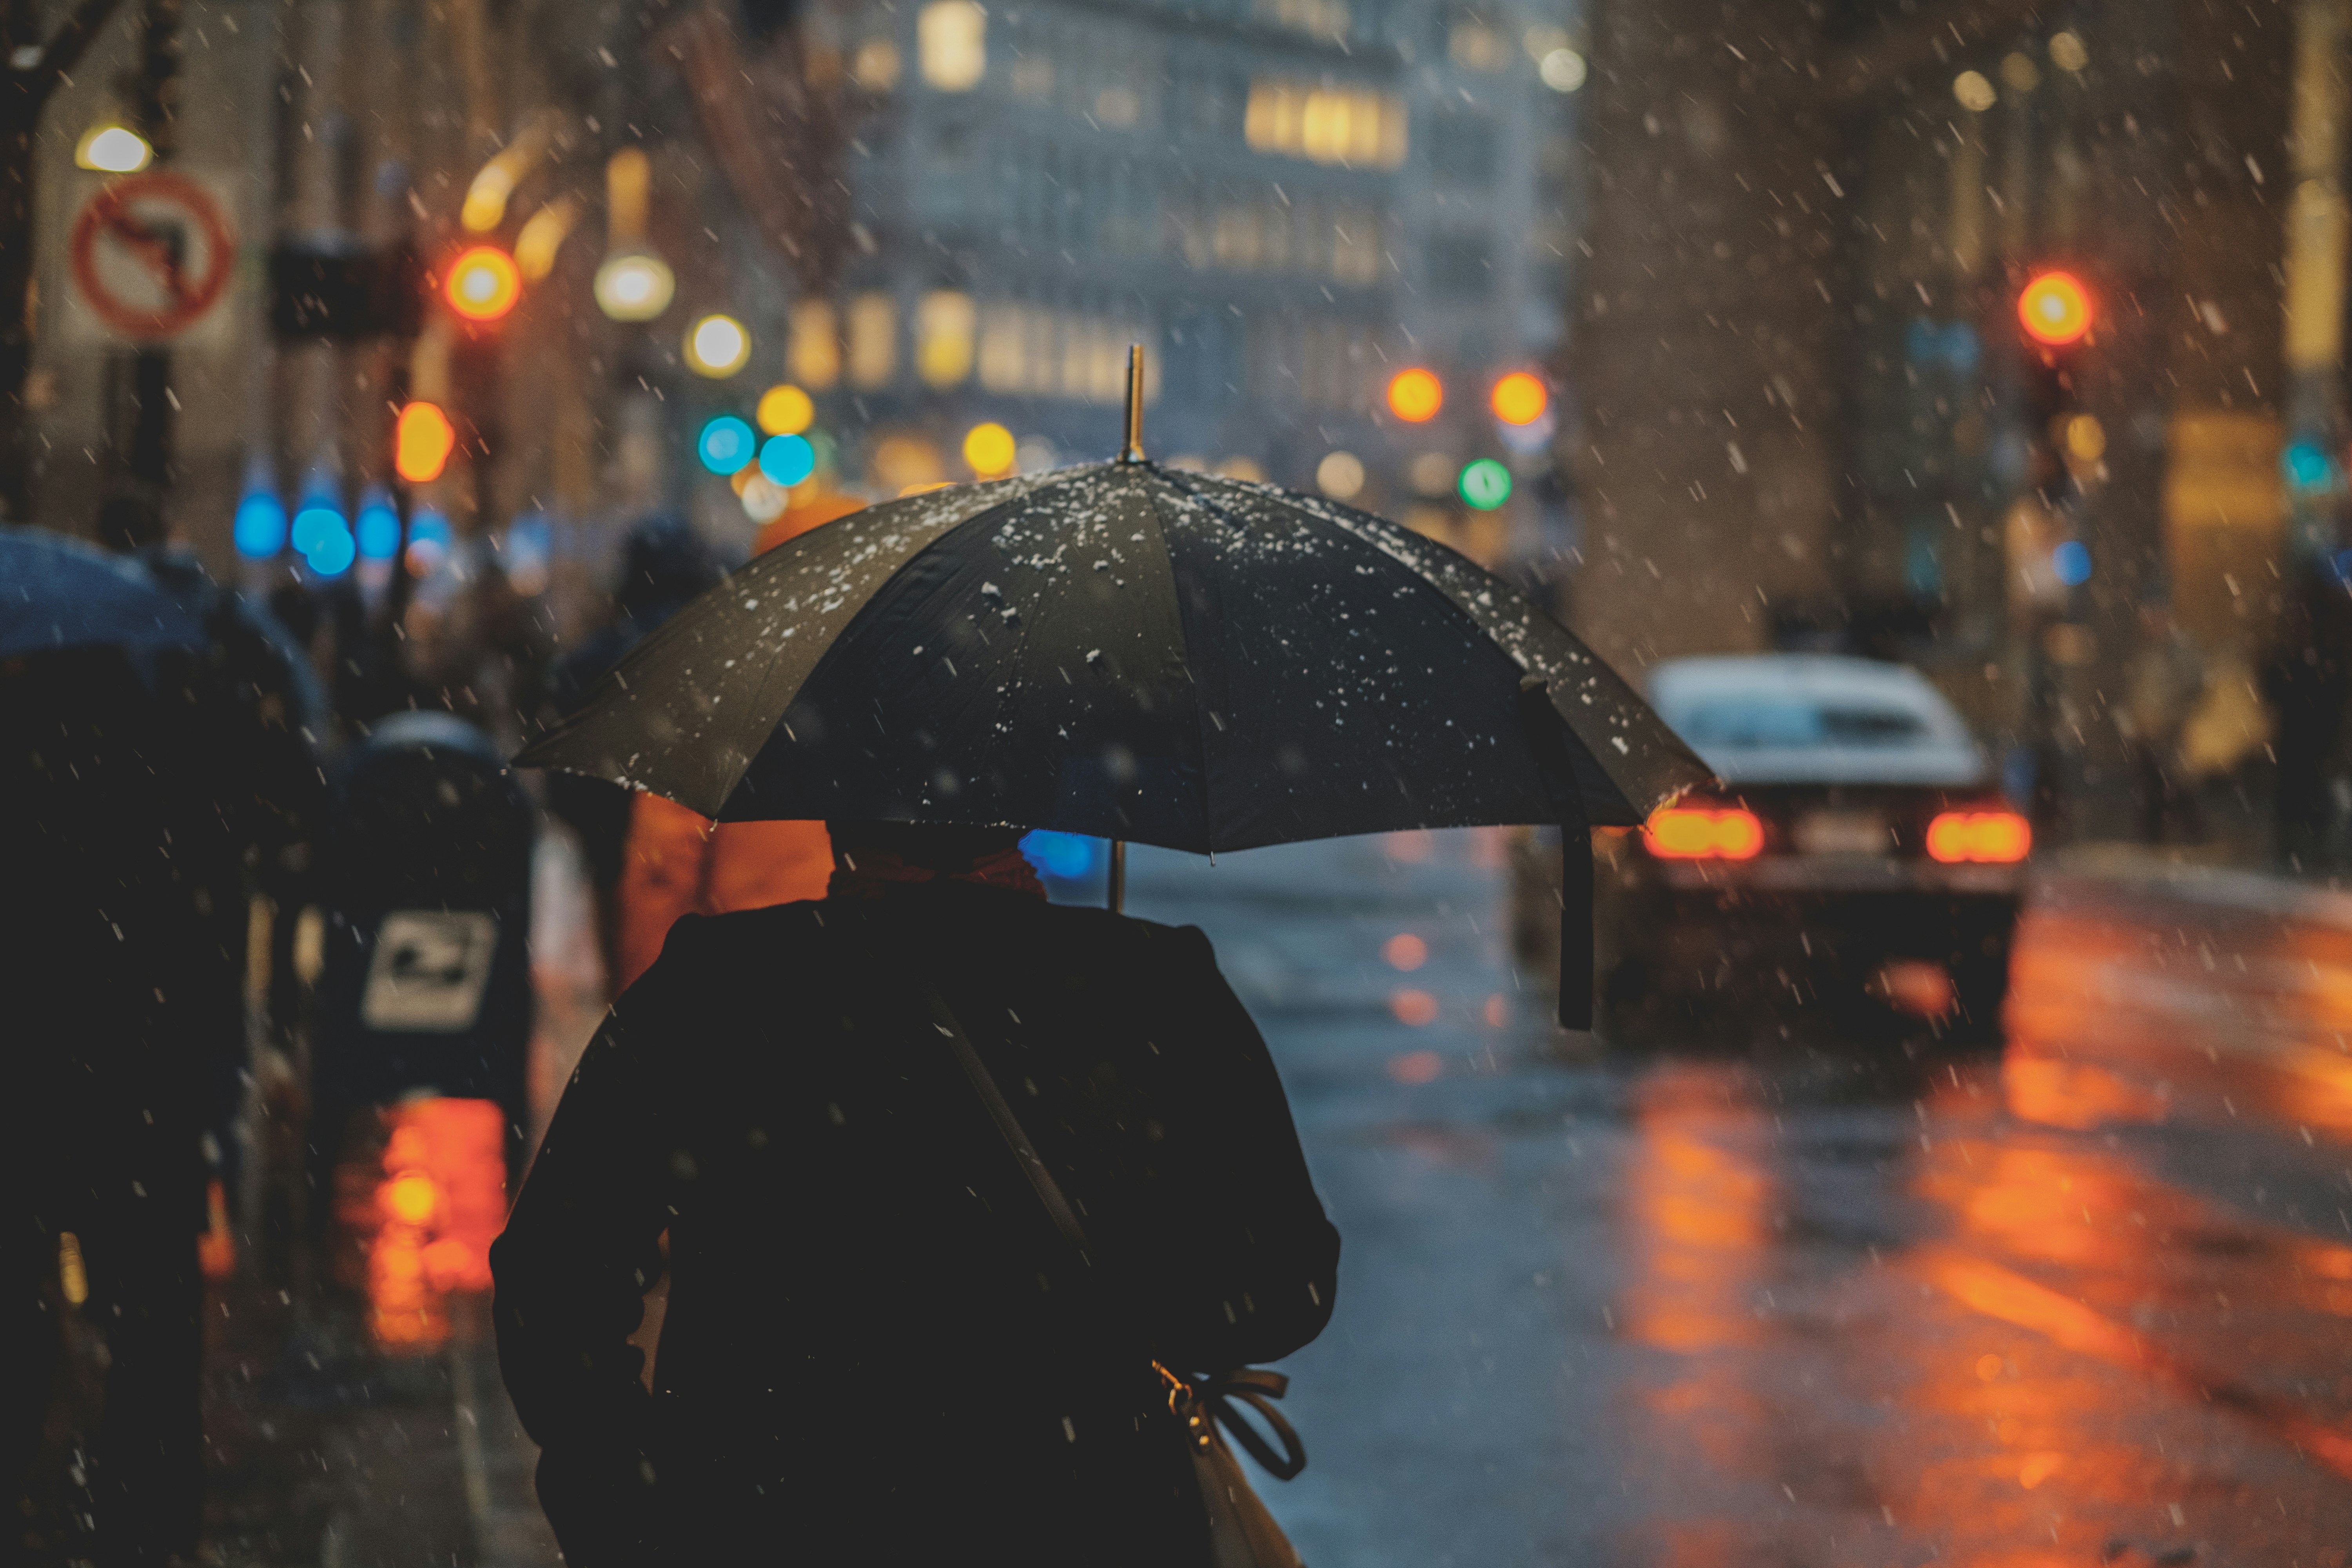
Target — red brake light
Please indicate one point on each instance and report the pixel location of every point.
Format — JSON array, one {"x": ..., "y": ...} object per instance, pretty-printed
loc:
[
  {"x": 1703, "y": 833},
  {"x": 1987, "y": 837}
]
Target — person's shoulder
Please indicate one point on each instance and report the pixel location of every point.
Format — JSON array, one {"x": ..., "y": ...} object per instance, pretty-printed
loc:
[
  {"x": 1143, "y": 941},
  {"x": 775, "y": 932}
]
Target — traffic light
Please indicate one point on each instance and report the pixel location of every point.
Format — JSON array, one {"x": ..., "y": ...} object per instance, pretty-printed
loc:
[
  {"x": 2055, "y": 310},
  {"x": 1415, "y": 395},
  {"x": 1484, "y": 485},
  {"x": 421, "y": 441},
  {"x": 484, "y": 284},
  {"x": 1519, "y": 399}
]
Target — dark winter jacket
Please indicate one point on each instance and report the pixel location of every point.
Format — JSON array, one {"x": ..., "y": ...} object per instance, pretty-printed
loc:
[{"x": 876, "y": 1347}]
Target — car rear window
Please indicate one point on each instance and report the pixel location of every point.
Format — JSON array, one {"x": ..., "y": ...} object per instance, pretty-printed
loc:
[{"x": 1736, "y": 725}]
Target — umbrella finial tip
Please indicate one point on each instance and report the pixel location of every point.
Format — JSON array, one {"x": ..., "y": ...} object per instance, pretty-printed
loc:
[{"x": 1132, "y": 451}]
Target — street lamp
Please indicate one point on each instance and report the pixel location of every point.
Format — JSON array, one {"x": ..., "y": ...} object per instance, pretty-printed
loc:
[
  {"x": 634, "y": 284},
  {"x": 111, "y": 148},
  {"x": 635, "y": 287},
  {"x": 718, "y": 346},
  {"x": 421, "y": 441}
]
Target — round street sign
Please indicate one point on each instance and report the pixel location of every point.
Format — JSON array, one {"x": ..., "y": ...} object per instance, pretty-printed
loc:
[{"x": 152, "y": 253}]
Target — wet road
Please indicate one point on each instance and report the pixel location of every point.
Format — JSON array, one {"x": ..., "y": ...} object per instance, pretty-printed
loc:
[{"x": 2084, "y": 1298}]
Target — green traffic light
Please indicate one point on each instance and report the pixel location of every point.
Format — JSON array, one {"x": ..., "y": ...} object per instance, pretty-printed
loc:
[{"x": 1485, "y": 484}]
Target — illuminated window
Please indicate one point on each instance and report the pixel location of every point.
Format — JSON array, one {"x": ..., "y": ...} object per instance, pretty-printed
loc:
[
  {"x": 1039, "y": 352},
  {"x": 1118, "y": 107},
  {"x": 1005, "y": 348},
  {"x": 952, "y": 38},
  {"x": 1481, "y": 47},
  {"x": 1356, "y": 247},
  {"x": 814, "y": 356},
  {"x": 943, "y": 337},
  {"x": 876, "y": 65},
  {"x": 1316, "y": 19},
  {"x": 873, "y": 339},
  {"x": 1325, "y": 124}
]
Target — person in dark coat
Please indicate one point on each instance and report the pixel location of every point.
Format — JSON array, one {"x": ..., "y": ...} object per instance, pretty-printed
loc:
[
  {"x": 877, "y": 1347},
  {"x": 111, "y": 964}
]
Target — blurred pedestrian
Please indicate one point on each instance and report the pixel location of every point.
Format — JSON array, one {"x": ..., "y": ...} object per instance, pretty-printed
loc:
[
  {"x": 879, "y": 1346},
  {"x": 2307, "y": 679},
  {"x": 145, "y": 794},
  {"x": 2161, "y": 688},
  {"x": 664, "y": 563},
  {"x": 669, "y": 861},
  {"x": 111, "y": 964}
]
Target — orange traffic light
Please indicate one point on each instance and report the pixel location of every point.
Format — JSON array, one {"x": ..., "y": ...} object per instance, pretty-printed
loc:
[
  {"x": 421, "y": 443},
  {"x": 2055, "y": 310},
  {"x": 484, "y": 284},
  {"x": 1519, "y": 399},
  {"x": 1415, "y": 395}
]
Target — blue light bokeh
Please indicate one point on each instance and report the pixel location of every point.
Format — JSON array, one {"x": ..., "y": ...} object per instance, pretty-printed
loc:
[{"x": 260, "y": 526}]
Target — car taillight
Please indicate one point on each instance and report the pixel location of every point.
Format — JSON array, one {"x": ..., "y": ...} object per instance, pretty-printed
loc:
[
  {"x": 1986, "y": 837},
  {"x": 1703, "y": 833}
]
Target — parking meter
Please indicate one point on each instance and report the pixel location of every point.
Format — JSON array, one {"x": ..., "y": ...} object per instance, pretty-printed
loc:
[{"x": 424, "y": 892}]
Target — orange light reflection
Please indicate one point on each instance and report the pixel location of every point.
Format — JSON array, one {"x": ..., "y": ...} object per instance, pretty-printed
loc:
[{"x": 440, "y": 1203}]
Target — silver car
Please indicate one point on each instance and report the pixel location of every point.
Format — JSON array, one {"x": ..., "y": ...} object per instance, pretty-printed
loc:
[{"x": 1855, "y": 859}]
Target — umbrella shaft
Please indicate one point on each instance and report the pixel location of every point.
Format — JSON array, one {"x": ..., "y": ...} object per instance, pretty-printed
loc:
[{"x": 1118, "y": 900}]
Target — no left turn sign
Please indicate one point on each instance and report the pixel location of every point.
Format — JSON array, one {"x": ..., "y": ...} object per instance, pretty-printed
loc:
[{"x": 152, "y": 253}]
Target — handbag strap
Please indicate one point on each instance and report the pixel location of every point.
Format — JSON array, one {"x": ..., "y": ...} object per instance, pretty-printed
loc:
[
  {"x": 983, "y": 1084},
  {"x": 1196, "y": 1402}
]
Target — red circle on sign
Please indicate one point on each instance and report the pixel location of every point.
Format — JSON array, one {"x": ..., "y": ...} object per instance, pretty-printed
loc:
[{"x": 108, "y": 215}]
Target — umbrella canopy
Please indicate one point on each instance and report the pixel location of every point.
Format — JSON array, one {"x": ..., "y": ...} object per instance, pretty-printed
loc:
[
  {"x": 1133, "y": 652},
  {"x": 57, "y": 593}
]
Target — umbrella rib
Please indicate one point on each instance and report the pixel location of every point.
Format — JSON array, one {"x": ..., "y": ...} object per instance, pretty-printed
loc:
[
  {"x": 767, "y": 678},
  {"x": 1595, "y": 667},
  {"x": 1201, "y": 723}
]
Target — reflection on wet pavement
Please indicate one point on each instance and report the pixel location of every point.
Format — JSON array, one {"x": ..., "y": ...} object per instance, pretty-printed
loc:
[{"x": 2085, "y": 1298}]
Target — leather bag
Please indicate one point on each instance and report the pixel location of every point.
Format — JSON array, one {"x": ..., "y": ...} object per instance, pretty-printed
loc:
[{"x": 1241, "y": 1534}]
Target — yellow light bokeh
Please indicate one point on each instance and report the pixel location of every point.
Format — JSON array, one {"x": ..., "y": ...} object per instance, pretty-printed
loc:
[
  {"x": 1415, "y": 395},
  {"x": 1519, "y": 399},
  {"x": 990, "y": 450},
  {"x": 785, "y": 410}
]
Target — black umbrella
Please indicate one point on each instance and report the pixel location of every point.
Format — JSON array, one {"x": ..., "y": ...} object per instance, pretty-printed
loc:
[
  {"x": 57, "y": 593},
  {"x": 1132, "y": 652}
]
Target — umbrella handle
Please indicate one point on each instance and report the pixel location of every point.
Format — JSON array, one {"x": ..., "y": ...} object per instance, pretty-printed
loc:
[{"x": 1118, "y": 900}]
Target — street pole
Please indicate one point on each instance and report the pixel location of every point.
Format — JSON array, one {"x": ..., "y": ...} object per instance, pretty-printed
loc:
[
  {"x": 149, "y": 465},
  {"x": 2316, "y": 245},
  {"x": 34, "y": 68}
]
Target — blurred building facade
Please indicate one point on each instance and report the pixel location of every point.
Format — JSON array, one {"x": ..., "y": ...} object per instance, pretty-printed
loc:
[
  {"x": 1809, "y": 410},
  {"x": 1286, "y": 201},
  {"x": 927, "y": 215}
]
